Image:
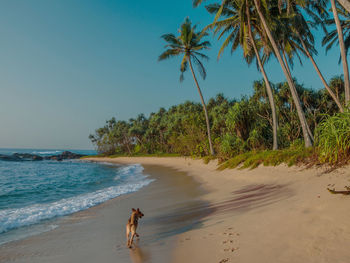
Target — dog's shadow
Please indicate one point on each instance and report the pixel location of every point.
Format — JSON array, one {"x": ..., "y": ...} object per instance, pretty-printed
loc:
[{"x": 139, "y": 254}]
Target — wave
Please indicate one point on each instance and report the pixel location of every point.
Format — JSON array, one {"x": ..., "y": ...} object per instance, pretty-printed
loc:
[{"x": 15, "y": 218}]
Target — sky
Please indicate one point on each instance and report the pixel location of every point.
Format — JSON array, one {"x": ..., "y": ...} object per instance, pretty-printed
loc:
[{"x": 67, "y": 66}]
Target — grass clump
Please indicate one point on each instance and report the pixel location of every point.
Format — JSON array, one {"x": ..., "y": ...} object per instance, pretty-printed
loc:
[
  {"x": 207, "y": 159},
  {"x": 290, "y": 156},
  {"x": 333, "y": 138}
]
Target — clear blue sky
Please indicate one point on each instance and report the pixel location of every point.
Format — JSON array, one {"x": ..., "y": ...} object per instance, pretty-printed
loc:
[{"x": 66, "y": 66}]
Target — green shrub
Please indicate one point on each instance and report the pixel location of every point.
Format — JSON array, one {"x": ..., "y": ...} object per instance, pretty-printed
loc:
[
  {"x": 333, "y": 138},
  {"x": 231, "y": 145}
]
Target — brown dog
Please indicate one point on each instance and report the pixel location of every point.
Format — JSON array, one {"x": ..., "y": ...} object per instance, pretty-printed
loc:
[{"x": 132, "y": 225}]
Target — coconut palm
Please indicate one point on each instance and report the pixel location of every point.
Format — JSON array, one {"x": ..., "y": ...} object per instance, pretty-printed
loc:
[
  {"x": 301, "y": 29},
  {"x": 262, "y": 8},
  {"x": 263, "y": 13},
  {"x": 188, "y": 44},
  {"x": 338, "y": 36},
  {"x": 237, "y": 19},
  {"x": 294, "y": 37}
]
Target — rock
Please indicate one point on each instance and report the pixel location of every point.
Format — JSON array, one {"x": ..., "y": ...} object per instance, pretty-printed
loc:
[
  {"x": 4, "y": 157},
  {"x": 65, "y": 155},
  {"x": 17, "y": 157},
  {"x": 28, "y": 157}
]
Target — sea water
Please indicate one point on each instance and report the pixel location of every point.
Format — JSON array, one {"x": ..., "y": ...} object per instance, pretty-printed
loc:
[{"x": 33, "y": 193}]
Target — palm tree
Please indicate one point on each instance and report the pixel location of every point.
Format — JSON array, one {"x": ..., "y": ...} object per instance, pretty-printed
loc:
[
  {"x": 300, "y": 28},
  {"x": 294, "y": 35},
  {"x": 235, "y": 25},
  {"x": 338, "y": 34},
  {"x": 259, "y": 8},
  {"x": 263, "y": 6},
  {"x": 188, "y": 44}
]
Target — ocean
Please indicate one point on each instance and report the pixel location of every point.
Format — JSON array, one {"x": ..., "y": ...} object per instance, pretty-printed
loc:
[{"x": 35, "y": 193}]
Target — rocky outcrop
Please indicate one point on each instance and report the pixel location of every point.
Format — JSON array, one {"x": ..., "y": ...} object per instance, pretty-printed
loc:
[
  {"x": 17, "y": 157},
  {"x": 27, "y": 157}
]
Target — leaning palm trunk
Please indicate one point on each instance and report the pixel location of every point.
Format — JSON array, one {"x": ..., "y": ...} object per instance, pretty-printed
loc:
[
  {"x": 290, "y": 75},
  {"x": 342, "y": 52},
  {"x": 307, "y": 138},
  {"x": 345, "y": 4},
  {"x": 204, "y": 108},
  {"x": 267, "y": 83},
  {"x": 331, "y": 93},
  {"x": 286, "y": 62}
]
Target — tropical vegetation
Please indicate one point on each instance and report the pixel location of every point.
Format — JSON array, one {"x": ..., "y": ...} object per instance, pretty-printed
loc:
[{"x": 279, "y": 122}]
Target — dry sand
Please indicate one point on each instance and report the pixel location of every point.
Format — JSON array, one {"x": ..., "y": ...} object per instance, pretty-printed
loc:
[{"x": 269, "y": 214}]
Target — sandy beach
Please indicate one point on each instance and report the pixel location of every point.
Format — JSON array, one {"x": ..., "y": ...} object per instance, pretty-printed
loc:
[
  {"x": 195, "y": 213},
  {"x": 269, "y": 214}
]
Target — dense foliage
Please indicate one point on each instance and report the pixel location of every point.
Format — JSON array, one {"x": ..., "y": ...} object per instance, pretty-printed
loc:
[
  {"x": 238, "y": 126},
  {"x": 294, "y": 121}
]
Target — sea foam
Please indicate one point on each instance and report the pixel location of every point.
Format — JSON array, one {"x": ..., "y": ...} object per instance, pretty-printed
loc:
[{"x": 14, "y": 218}]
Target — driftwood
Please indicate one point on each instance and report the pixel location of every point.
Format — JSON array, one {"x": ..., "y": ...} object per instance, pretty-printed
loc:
[{"x": 345, "y": 192}]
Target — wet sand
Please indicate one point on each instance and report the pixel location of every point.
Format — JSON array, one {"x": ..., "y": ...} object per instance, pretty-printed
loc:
[{"x": 98, "y": 234}]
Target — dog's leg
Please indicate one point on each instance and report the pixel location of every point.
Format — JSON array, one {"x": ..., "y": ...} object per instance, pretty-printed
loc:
[
  {"x": 131, "y": 239},
  {"x": 127, "y": 235},
  {"x": 133, "y": 232}
]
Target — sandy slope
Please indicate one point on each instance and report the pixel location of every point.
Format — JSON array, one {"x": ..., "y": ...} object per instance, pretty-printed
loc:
[{"x": 269, "y": 214}]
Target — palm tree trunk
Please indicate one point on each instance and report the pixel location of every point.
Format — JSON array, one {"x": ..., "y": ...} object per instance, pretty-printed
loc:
[
  {"x": 204, "y": 108},
  {"x": 342, "y": 52},
  {"x": 345, "y": 4},
  {"x": 267, "y": 83},
  {"x": 331, "y": 93},
  {"x": 307, "y": 139},
  {"x": 290, "y": 74},
  {"x": 286, "y": 63}
]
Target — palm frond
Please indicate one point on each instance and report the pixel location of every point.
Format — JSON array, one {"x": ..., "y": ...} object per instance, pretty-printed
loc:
[
  {"x": 199, "y": 66},
  {"x": 169, "y": 53},
  {"x": 183, "y": 67}
]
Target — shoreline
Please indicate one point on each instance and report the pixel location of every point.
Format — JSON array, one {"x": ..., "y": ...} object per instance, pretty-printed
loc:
[
  {"x": 98, "y": 233},
  {"x": 281, "y": 213}
]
